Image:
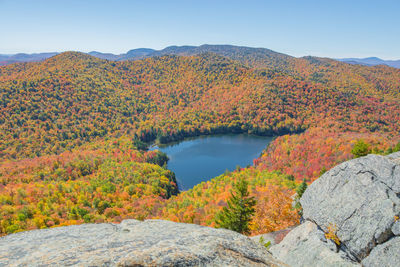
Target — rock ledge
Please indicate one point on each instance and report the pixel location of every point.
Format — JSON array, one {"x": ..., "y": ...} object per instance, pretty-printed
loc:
[{"x": 133, "y": 243}]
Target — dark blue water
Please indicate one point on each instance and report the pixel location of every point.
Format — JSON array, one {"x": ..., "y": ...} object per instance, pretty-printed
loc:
[{"x": 205, "y": 157}]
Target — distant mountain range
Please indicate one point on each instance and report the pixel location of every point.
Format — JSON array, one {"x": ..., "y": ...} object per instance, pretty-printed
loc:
[
  {"x": 246, "y": 55},
  {"x": 130, "y": 55},
  {"x": 21, "y": 57},
  {"x": 371, "y": 61}
]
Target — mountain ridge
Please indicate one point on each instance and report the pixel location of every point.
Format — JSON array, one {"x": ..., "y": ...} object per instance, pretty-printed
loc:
[
  {"x": 371, "y": 61},
  {"x": 240, "y": 53}
]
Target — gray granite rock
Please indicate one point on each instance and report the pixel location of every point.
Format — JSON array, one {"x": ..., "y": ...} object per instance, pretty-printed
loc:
[
  {"x": 396, "y": 228},
  {"x": 394, "y": 156},
  {"x": 273, "y": 237},
  {"x": 384, "y": 255},
  {"x": 133, "y": 243},
  {"x": 360, "y": 198},
  {"x": 306, "y": 245}
]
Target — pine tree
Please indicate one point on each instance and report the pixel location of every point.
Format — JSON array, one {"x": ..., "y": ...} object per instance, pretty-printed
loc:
[
  {"x": 240, "y": 209},
  {"x": 300, "y": 191}
]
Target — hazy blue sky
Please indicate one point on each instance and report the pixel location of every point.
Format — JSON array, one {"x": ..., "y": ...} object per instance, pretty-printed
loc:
[{"x": 304, "y": 27}]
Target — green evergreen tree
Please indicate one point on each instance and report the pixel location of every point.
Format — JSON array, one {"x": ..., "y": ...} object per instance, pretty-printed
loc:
[
  {"x": 240, "y": 209},
  {"x": 300, "y": 191}
]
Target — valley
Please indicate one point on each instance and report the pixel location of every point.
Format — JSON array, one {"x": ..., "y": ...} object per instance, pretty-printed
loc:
[{"x": 74, "y": 132}]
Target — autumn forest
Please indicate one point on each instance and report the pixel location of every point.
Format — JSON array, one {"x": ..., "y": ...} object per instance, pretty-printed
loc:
[{"x": 75, "y": 132}]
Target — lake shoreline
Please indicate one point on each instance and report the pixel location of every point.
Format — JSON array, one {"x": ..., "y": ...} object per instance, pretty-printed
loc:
[{"x": 199, "y": 159}]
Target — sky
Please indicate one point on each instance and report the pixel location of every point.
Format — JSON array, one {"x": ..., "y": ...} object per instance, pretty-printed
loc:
[{"x": 337, "y": 29}]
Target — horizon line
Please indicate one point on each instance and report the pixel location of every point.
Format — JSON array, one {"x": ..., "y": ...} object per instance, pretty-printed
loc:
[{"x": 188, "y": 45}]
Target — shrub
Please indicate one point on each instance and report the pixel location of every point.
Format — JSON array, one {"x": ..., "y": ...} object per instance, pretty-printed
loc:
[
  {"x": 331, "y": 234},
  {"x": 360, "y": 149}
]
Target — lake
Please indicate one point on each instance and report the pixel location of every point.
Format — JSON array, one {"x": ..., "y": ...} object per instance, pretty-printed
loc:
[{"x": 202, "y": 158}]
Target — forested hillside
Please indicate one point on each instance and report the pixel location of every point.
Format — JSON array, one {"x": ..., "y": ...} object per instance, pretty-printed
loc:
[{"x": 72, "y": 127}]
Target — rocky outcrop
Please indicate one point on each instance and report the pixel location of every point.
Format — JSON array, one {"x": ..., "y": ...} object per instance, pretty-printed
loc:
[
  {"x": 396, "y": 227},
  {"x": 133, "y": 243},
  {"x": 395, "y": 157},
  {"x": 308, "y": 243},
  {"x": 272, "y": 237},
  {"x": 357, "y": 204},
  {"x": 386, "y": 254}
]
